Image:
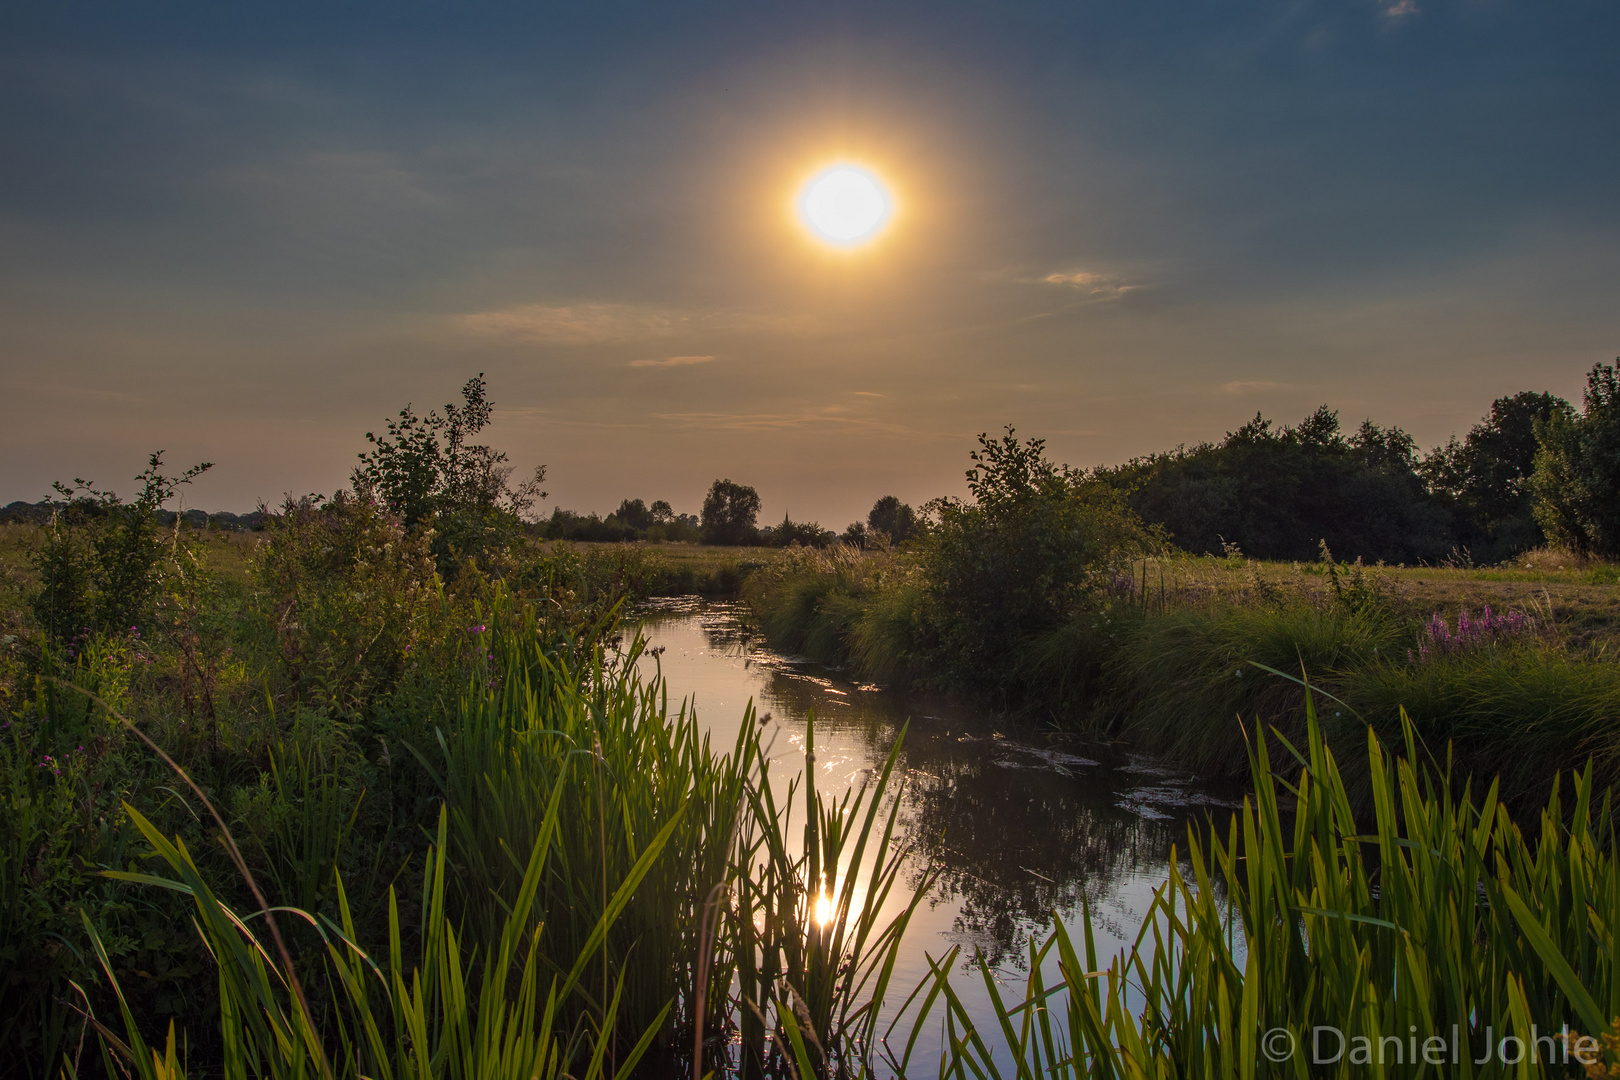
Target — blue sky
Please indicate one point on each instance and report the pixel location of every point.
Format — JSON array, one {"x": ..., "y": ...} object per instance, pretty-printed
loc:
[{"x": 248, "y": 233}]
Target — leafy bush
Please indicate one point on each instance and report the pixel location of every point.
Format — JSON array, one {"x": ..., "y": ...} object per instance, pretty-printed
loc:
[
  {"x": 99, "y": 563},
  {"x": 425, "y": 470},
  {"x": 1037, "y": 544}
]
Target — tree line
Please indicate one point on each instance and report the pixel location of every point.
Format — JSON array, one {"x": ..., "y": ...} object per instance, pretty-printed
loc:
[{"x": 1533, "y": 471}]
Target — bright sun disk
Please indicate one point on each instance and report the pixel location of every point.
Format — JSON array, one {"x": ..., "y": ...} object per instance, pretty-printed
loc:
[{"x": 844, "y": 205}]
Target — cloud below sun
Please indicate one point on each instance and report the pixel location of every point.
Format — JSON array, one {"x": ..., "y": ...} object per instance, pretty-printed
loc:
[
  {"x": 673, "y": 361},
  {"x": 1099, "y": 286}
]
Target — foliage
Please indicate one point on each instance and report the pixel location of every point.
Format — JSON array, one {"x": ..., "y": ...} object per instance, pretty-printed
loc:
[
  {"x": 100, "y": 561},
  {"x": 1038, "y": 544},
  {"x": 1486, "y": 476},
  {"x": 351, "y": 595},
  {"x": 729, "y": 513},
  {"x": 893, "y": 519},
  {"x": 426, "y": 470},
  {"x": 1276, "y": 493},
  {"x": 1576, "y": 483},
  {"x": 801, "y": 533},
  {"x": 1436, "y": 918},
  {"x": 633, "y": 520}
]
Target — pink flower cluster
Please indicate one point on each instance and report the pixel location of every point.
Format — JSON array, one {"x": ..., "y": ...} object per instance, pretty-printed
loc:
[{"x": 1470, "y": 633}]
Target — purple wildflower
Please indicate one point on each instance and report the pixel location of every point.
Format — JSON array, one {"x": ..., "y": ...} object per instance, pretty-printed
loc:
[{"x": 1470, "y": 633}]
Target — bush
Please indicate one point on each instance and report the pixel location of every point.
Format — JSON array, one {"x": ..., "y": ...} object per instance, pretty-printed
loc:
[
  {"x": 426, "y": 471},
  {"x": 1038, "y": 544},
  {"x": 99, "y": 564}
]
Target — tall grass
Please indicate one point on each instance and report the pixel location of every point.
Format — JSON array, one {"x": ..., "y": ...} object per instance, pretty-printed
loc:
[
  {"x": 844, "y": 606},
  {"x": 1312, "y": 929},
  {"x": 1178, "y": 682},
  {"x": 469, "y": 1009},
  {"x": 538, "y": 727},
  {"x": 601, "y": 885},
  {"x": 809, "y": 940}
]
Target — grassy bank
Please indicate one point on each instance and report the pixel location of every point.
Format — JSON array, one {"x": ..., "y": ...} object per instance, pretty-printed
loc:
[{"x": 1188, "y": 656}]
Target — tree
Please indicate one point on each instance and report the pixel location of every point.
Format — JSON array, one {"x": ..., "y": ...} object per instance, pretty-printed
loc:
[
  {"x": 1277, "y": 492},
  {"x": 729, "y": 513},
  {"x": 1576, "y": 483},
  {"x": 633, "y": 513},
  {"x": 892, "y": 518},
  {"x": 1486, "y": 475}
]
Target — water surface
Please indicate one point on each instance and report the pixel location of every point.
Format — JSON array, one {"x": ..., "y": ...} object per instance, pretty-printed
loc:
[{"x": 1017, "y": 824}]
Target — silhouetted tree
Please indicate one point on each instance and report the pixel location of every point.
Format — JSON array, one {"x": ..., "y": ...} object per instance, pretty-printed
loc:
[
  {"x": 1278, "y": 492},
  {"x": 1576, "y": 484},
  {"x": 892, "y": 518},
  {"x": 1486, "y": 475},
  {"x": 633, "y": 513},
  {"x": 729, "y": 512}
]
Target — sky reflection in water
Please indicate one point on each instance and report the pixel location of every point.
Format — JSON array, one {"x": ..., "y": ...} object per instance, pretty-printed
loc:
[{"x": 1017, "y": 823}]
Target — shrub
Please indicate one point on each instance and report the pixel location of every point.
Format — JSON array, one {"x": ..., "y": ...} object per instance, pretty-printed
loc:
[
  {"x": 425, "y": 470},
  {"x": 99, "y": 564},
  {"x": 1037, "y": 544}
]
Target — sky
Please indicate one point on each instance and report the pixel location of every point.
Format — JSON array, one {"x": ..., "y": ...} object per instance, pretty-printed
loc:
[{"x": 249, "y": 233}]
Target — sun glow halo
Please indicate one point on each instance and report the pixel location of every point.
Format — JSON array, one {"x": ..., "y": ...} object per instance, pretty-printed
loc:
[{"x": 844, "y": 205}]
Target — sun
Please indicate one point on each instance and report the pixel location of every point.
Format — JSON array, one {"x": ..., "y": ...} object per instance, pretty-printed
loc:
[{"x": 845, "y": 205}]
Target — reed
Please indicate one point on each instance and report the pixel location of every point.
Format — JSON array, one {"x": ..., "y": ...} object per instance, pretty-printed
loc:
[
  {"x": 467, "y": 1009},
  {"x": 599, "y": 881},
  {"x": 543, "y": 723},
  {"x": 813, "y": 953},
  {"x": 1434, "y": 915}
]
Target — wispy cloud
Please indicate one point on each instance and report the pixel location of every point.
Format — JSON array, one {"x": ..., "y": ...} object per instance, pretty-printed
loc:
[
  {"x": 575, "y": 324},
  {"x": 823, "y": 417},
  {"x": 673, "y": 361},
  {"x": 591, "y": 324},
  {"x": 1397, "y": 9},
  {"x": 1098, "y": 286},
  {"x": 1259, "y": 386}
]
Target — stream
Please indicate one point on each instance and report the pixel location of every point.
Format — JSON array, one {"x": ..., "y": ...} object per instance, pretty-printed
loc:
[{"x": 1017, "y": 824}]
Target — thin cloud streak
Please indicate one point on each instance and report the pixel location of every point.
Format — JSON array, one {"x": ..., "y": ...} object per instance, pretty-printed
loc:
[
  {"x": 1098, "y": 286},
  {"x": 673, "y": 361},
  {"x": 594, "y": 324},
  {"x": 1259, "y": 386}
]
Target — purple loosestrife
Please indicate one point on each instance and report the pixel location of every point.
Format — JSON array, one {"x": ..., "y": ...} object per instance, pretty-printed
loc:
[{"x": 1438, "y": 637}]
